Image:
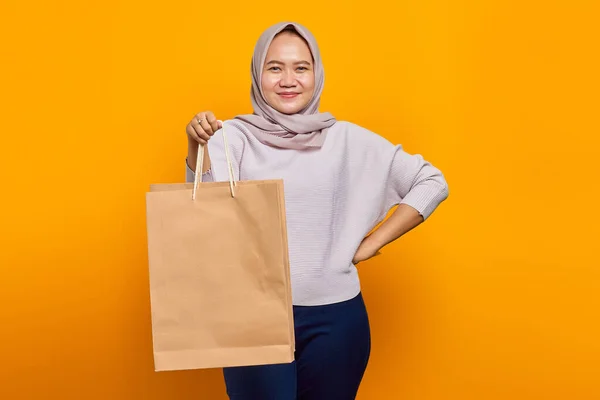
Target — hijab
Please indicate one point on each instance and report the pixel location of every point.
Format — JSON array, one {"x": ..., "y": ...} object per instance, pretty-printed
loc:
[{"x": 303, "y": 130}]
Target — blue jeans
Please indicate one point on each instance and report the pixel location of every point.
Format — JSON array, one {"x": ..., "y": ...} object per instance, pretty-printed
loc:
[{"x": 333, "y": 344}]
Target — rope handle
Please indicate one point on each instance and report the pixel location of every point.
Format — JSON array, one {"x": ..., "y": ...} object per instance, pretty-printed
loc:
[{"x": 200, "y": 164}]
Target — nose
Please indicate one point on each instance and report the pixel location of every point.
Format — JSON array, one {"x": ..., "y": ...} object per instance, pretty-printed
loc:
[{"x": 288, "y": 79}]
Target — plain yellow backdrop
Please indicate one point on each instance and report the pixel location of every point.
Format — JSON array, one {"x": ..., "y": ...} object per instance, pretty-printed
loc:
[{"x": 496, "y": 297}]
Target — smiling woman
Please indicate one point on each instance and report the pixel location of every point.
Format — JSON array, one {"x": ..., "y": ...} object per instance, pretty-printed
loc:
[
  {"x": 340, "y": 182},
  {"x": 288, "y": 79}
]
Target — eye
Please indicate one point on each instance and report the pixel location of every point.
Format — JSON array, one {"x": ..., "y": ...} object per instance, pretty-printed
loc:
[
  {"x": 274, "y": 69},
  {"x": 302, "y": 69}
]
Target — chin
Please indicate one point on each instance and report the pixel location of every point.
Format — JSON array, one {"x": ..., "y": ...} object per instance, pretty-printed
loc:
[
  {"x": 289, "y": 108},
  {"x": 286, "y": 107}
]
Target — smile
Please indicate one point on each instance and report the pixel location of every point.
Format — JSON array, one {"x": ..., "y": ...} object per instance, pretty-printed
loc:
[{"x": 288, "y": 95}]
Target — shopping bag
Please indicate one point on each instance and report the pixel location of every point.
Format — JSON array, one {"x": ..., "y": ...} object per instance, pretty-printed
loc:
[{"x": 220, "y": 291}]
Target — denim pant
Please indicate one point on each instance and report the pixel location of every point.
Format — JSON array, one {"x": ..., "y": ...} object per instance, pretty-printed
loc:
[{"x": 333, "y": 344}]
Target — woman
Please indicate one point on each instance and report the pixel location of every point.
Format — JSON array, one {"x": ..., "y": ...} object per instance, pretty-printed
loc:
[{"x": 340, "y": 181}]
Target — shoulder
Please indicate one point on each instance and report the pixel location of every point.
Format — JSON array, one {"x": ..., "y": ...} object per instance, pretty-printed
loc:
[{"x": 356, "y": 133}]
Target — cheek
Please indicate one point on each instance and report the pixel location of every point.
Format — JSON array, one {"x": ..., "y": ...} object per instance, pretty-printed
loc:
[
  {"x": 308, "y": 81},
  {"x": 267, "y": 84}
]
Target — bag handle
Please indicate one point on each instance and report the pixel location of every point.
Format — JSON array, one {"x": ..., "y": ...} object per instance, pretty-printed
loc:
[{"x": 200, "y": 162}]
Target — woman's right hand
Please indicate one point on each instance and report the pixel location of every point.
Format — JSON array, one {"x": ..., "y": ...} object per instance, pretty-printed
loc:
[{"x": 202, "y": 127}]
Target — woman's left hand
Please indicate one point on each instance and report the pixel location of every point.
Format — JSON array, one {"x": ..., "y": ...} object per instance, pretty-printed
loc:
[{"x": 366, "y": 250}]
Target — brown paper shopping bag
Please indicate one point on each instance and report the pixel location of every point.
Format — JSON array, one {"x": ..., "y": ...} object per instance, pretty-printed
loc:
[{"x": 219, "y": 274}]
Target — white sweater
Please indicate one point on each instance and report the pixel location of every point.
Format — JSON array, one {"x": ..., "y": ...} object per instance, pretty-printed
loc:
[{"x": 334, "y": 197}]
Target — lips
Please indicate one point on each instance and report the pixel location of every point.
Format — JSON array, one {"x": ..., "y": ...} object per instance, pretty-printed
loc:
[{"x": 288, "y": 95}]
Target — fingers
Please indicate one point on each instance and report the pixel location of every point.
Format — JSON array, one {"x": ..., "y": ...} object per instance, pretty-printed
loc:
[
  {"x": 202, "y": 135},
  {"x": 197, "y": 132},
  {"x": 203, "y": 126},
  {"x": 212, "y": 121},
  {"x": 193, "y": 133}
]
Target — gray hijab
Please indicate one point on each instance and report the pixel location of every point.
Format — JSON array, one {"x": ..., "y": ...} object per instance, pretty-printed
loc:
[{"x": 303, "y": 130}]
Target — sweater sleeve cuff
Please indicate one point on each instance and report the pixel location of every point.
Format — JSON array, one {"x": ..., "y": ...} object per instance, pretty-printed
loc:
[
  {"x": 189, "y": 174},
  {"x": 426, "y": 198}
]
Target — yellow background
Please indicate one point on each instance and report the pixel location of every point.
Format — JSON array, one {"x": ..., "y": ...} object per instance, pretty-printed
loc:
[{"x": 496, "y": 297}]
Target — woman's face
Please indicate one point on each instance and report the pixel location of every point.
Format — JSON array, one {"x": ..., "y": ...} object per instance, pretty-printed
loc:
[{"x": 288, "y": 78}]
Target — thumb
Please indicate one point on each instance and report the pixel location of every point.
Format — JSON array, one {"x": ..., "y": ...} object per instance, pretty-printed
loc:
[{"x": 219, "y": 123}]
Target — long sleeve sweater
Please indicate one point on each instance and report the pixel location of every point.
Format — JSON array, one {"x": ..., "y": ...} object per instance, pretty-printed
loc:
[{"x": 334, "y": 196}]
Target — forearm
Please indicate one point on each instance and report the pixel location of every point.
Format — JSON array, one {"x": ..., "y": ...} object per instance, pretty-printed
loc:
[
  {"x": 403, "y": 220},
  {"x": 193, "y": 156}
]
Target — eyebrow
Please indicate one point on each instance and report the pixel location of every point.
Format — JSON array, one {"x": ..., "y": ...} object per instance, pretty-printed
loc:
[{"x": 281, "y": 63}]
